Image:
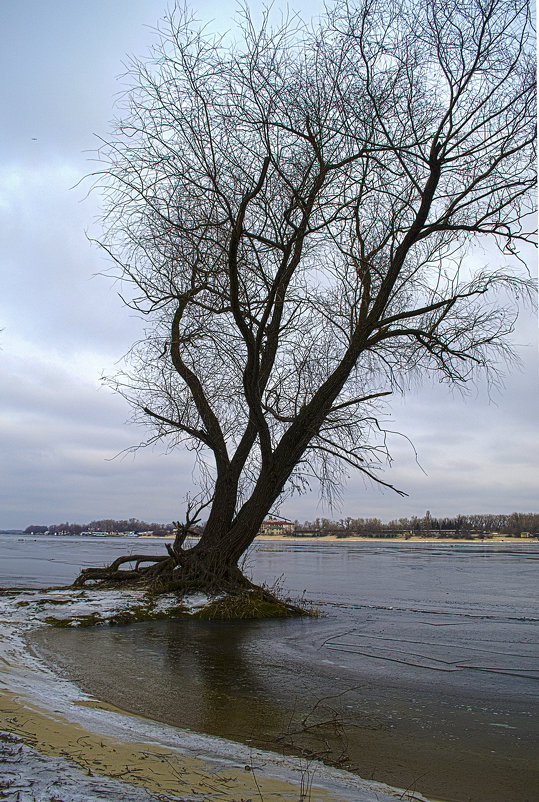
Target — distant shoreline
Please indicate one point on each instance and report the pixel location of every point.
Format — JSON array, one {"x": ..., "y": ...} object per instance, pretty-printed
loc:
[
  {"x": 364, "y": 539},
  {"x": 413, "y": 539},
  {"x": 314, "y": 538}
]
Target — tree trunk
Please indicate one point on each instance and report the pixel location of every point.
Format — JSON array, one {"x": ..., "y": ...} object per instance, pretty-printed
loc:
[{"x": 211, "y": 565}]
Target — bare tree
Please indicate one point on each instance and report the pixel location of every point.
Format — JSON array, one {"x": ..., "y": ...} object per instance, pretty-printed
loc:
[{"x": 293, "y": 212}]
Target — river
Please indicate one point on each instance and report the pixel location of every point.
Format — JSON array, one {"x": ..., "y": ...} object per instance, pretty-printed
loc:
[{"x": 421, "y": 670}]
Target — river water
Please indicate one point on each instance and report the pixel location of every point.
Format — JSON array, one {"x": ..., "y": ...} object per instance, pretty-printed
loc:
[{"x": 421, "y": 671}]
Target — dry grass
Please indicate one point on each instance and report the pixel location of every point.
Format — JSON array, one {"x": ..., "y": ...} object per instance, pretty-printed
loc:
[{"x": 251, "y": 604}]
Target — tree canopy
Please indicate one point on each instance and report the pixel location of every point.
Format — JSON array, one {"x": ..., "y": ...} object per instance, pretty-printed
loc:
[{"x": 292, "y": 207}]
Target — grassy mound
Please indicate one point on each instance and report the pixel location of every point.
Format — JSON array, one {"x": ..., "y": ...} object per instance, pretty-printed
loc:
[
  {"x": 250, "y": 604},
  {"x": 243, "y": 604}
]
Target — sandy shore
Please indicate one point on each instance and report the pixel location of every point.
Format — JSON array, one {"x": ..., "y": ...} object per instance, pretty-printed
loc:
[
  {"x": 58, "y": 743},
  {"x": 359, "y": 539},
  {"x": 389, "y": 540},
  {"x": 154, "y": 767}
]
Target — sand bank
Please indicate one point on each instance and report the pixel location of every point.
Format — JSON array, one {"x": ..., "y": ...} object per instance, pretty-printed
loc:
[
  {"x": 389, "y": 540},
  {"x": 78, "y": 745},
  {"x": 360, "y": 539},
  {"x": 155, "y": 767}
]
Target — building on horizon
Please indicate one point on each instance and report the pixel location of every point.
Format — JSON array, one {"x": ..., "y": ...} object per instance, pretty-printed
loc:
[{"x": 276, "y": 526}]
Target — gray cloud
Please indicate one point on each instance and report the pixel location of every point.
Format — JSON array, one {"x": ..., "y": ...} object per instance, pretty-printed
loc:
[
  {"x": 61, "y": 456},
  {"x": 63, "y": 326}
]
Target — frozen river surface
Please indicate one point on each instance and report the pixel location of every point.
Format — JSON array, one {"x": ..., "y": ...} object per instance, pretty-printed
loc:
[{"x": 422, "y": 671}]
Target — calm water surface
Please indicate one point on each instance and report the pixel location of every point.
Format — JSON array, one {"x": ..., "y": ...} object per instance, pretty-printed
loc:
[{"x": 422, "y": 670}]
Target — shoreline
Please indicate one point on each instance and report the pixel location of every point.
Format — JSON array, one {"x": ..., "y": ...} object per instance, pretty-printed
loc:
[
  {"x": 364, "y": 539},
  {"x": 54, "y": 717},
  {"x": 313, "y": 538},
  {"x": 389, "y": 540}
]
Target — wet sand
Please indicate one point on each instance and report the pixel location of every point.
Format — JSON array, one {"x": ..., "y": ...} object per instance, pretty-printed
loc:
[
  {"x": 158, "y": 770},
  {"x": 150, "y": 766}
]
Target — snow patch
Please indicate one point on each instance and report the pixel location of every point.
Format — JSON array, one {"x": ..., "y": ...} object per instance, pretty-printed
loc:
[{"x": 77, "y": 607}]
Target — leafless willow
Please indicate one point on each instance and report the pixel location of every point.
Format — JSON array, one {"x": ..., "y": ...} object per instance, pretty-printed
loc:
[{"x": 292, "y": 207}]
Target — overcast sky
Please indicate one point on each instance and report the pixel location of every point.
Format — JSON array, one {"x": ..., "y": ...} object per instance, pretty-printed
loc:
[{"x": 64, "y": 325}]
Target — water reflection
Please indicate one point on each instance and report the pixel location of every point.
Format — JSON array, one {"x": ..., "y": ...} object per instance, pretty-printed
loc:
[
  {"x": 245, "y": 680},
  {"x": 222, "y": 690}
]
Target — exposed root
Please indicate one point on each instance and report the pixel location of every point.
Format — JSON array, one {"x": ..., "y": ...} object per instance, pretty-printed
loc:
[
  {"x": 235, "y": 596},
  {"x": 186, "y": 571},
  {"x": 150, "y": 576}
]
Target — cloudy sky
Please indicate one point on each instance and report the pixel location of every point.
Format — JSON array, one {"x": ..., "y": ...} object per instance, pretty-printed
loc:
[{"x": 63, "y": 325}]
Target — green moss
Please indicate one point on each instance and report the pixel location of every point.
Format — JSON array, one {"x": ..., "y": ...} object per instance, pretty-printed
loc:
[
  {"x": 146, "y": 611},
  {"x": 251, "y": 604},
  {"x": 141, "y": 613},
  {"x": 58, "y": 622},
  {"x": 257, "y": 603},
  {"x": 122, "y": 618},
  {"x": 132, "y": 615},
  {"x": 90, "y": 620},
  {"x": 41, "y": 602}
]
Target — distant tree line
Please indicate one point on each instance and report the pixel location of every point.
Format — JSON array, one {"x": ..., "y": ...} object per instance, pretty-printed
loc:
[
  {"x": 460, "y": 526},
  {"x": 104, "y": 525}
]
